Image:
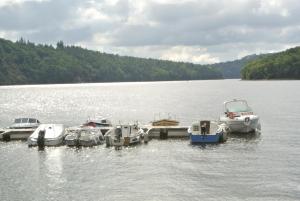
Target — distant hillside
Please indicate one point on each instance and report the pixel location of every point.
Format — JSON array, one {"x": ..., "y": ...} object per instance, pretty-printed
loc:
[
  {"x": 27, "y": 63},
  {"x": 282, "y": 65},
  {"x": 232, "y": 69}
]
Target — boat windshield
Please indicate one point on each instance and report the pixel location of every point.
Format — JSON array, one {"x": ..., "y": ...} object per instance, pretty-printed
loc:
[
  {"x": 237, "y": 106},
  {"x": 24, "y": 120},
  {"x": 32, "y": 120},
  {"x": 17, "y": 121}
]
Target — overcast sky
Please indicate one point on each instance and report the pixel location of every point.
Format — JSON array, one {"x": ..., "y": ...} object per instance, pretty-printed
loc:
[{"x": 198, "y": 31}]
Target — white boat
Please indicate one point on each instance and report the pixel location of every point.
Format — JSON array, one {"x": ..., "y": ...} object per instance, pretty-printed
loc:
[
  {"x": 239, "y": 117},
  {"x": 91, "y": 137},
  {"x": 72, "y": 137},
  {"x": 124, "y": 135},
  {"x": 47, "y": 135},
  {"x": 84, "y": 137},
  {"x": 21, "y": 129},
  {"x": 204, "y": 132}
]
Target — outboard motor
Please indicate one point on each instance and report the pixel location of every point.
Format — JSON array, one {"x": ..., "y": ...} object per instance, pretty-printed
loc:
[
  {"x": 6, "y": 137},
  {"x": 41, "y": 140},
  {"x": 146, "y": 138},
  {"x": 78, "y": 134},
  {"x": 118, "y": 133},
  {"x": 117, "y": 140}
]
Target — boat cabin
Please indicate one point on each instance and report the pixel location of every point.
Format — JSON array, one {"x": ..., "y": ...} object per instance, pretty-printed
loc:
[
  {"x": 237, "y": 108},
  {"x": 25, "y": 123},
  {"x": 126, "y": 130},
  {"x": 201, "y": 127}
]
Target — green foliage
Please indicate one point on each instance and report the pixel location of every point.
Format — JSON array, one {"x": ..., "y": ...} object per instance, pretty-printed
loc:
[
  {"x": 283, "y": 65},
  {"x": 232, "y": 69},
  {"x": 26, "y": 63}
]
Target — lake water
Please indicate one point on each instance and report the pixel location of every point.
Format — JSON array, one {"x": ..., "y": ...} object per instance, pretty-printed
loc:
[{"x": 265, "y": 167}]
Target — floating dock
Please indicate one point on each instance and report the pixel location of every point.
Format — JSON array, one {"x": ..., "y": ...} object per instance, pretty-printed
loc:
[
  {"x": 164, "y": 132},
  {"x": 161, "y": 132}
]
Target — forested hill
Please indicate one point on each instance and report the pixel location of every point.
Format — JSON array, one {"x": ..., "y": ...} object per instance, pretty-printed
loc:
[
  {"x": 282, "y": 65},
  {"x": 232, "y": 69},
  {"x": 27, "y": 63}
]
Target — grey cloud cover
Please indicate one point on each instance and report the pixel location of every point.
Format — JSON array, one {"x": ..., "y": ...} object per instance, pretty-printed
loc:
[{"x": 203, "y": 31}]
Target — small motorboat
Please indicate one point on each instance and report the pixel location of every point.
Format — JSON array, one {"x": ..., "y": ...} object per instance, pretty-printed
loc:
[
  {"x": 239, "y": 117},
  {"x": 72, "y": 137},
  {"x": 97, "y": 122},
  {"x": 21, "y": 129},
  {"x": 124, "y": 135},
  {"x": 84, "y": 137},
  {"x": 204, "y": 132},
  {"x": 47, "y": 135},
  {"x": 91, "y": 137},
  {"x": 100, "y": 123}
]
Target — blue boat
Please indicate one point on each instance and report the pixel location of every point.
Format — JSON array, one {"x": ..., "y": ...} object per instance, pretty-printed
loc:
[{"x": 205, "y": 132}]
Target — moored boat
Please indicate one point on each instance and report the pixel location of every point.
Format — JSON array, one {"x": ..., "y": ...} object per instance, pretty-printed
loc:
[
  {"x": 97, "y": 122},
  {"x": 239, "y": 117},
  {"x": 84, "y": 137},
  {"x": 21, "y": 129},
  {"x": 124, "y": 135},
  {"x": 90, "y": 138},
  {"x": 47, "y": 135},
  {"x": 207, "y": 132}
]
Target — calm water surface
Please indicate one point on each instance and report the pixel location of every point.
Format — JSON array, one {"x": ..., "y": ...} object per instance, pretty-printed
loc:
[{"x": 265, "y": 167}]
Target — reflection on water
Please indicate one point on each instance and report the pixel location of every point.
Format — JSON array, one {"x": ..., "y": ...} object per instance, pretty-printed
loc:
[
  {"x": 53, "y": 167},
  {"x": 250, "y": 167}
]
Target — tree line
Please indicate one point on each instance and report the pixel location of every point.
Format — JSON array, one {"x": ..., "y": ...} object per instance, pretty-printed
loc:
[
  {"x": 23, "y": 62},
  {"x": 282, "y": 65}
]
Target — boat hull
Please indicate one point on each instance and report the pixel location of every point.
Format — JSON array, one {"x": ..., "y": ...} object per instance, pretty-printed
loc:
[
  {"x": 71, "y": 142},
  {"x": 53, "y": 135},
  {"x": 47, "y": 142},
  {"x": 209, "y": 138},
  {"x": 16, "y": 134},
  {"x": 240, "y": 125}
]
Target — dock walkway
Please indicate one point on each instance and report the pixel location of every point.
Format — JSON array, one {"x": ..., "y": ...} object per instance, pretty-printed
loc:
[{"x": 164, "y": 132}]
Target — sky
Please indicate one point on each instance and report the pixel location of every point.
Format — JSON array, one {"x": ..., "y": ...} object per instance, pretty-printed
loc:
[{"x": 197, "y": 31}]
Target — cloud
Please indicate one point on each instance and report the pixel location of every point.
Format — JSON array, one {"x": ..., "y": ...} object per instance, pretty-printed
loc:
[
  {"x": 201, "y": 31},
  {"x": 188, "y": 54}
]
